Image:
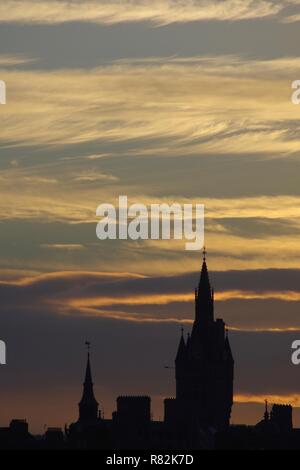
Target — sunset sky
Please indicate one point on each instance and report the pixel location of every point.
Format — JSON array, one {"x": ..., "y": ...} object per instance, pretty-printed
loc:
[{"x": 163, "y": 101}]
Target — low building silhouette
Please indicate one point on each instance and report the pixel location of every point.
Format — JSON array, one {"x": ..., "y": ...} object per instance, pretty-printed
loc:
[
  {"x": 54, "y": 438},
  {"x": 16, "y": 436}
]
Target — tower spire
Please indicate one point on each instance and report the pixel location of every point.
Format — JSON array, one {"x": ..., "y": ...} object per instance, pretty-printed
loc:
[
  {"x": 88, "y": 405},
  {"x": 204, "y": 282},
  {"x": 204, "y": 299}
]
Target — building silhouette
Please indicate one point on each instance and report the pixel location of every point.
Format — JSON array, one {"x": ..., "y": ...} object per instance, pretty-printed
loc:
[
  {"x": 198, "y": 417},
  {"x": 204, "y": 367},
  {"x": 204, "y": 392}
]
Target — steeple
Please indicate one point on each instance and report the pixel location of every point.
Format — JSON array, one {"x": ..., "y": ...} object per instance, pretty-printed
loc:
[
  {"x": 88, "y": 405},
  {"x": 204, "y": 284},
  {"x": 181, "y": 348},
  {"x": 204, "y": 297}
]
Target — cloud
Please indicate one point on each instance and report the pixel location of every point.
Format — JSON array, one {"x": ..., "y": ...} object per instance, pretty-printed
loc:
[
  {"x": 40, "y": 180},
  {"x": 93, "y": 176},
  {"x": 224, "y": 133},
  {"x": 217, "y": 104},
  {"x": 159, "y": 12},
  {"x": 248, "y": 300},
  {"x": 14, "y": 60},
  {"x": 292, "y": 19},
  {"x": 69, "y": 219},
  {"x": 65, "y": 246},
  {"x": 293, "y": 400}
]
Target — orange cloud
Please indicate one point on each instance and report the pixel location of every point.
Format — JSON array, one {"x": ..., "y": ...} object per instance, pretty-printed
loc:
[{"x": 292, "y": 399}]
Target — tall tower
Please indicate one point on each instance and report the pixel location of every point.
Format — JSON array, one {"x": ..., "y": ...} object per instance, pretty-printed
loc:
[
  {"x": 88, "y": 405},
  {"x": 204, "y": 365}
]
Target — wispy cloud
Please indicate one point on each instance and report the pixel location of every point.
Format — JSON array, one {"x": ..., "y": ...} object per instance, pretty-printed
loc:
[
  {"x": 250, "y": 110},
  {"x": 63, "y": 246},
  {"x": 7, "y": 60},
  {"x": 216, "y": 106},
  {"x": 159, "y": 12},
  {"x": 93, "y": 175},
  {"x": 292, "y": 19}
]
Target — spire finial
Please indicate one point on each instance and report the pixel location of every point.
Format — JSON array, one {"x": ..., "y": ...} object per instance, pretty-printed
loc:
[
  {"x": 204, "y": 253},
  {"x": 182, "y": 331},
  {"x": 88, "y": 346}
]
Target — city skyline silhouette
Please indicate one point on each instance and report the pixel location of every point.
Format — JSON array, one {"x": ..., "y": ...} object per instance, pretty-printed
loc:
[{"x": 197, "y": 417}]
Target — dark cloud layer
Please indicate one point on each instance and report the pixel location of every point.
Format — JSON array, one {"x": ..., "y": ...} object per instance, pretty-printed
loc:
[
  {"x": 85, "y": 284},
  {"x": 253, "y": 299}
]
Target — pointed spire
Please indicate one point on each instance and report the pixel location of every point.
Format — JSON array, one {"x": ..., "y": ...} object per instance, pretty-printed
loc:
[
  {"x": 204, "y": 302},
  {"x": 88, "y": 374},
  {"x": 181, "y": 348},
  {"x": 88, "y": 405},
  {"x": 88, "y": 391}
]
